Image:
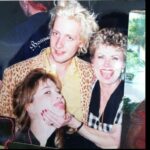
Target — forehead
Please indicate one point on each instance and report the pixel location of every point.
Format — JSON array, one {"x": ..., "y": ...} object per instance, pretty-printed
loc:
[
  {"x": 102, "y": 48},
  {"x": 67, "y": 25},
  {"x": 46, "y": 83}
]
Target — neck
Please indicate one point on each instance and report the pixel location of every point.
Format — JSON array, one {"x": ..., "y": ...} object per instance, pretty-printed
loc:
[
  {"x": 106, "y": 91},
  {"x": 61, "y": 68},
  {"x": 109, "y": 87},
  {"x": 41, "y": 131}
]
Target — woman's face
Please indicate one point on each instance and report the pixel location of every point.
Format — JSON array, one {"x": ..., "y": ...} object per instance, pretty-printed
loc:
[
  {"x": 48, "y": 97},
  {"x": 108, "y": 63}
]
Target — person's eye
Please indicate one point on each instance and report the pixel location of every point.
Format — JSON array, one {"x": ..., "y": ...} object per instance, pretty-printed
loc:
[
  {"x": 100, "y": 57},
  {"x": 115, "y": 58},
  {"x": 48, "y": 92},
  {"x": 69, "y": 38},
  {"x": 54, "y": 33}
]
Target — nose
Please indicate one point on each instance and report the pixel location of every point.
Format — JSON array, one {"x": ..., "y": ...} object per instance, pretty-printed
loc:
[
  {"x": 59, "y": 97},
  {"x": 107, "y": 63},
  {"x": 60, "y": 42}
]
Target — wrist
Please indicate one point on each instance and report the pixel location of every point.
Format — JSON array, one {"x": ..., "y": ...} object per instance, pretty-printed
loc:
[
  {"x": 74, "y": 123},
  {"x": 79, "y": 127}
]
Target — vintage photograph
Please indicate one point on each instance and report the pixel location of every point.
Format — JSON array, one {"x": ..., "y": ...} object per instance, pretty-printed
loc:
[{"x": 72, "y": 74}]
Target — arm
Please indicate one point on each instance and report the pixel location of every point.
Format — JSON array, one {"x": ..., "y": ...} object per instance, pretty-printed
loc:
[
  {"x": 100, "y": 138},
  {"x": 5, "y": 94}
]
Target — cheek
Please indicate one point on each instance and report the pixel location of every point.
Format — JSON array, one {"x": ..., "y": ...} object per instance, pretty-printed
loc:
[
  {"x": 42, "y": 104},
  {"x": 46, "y": 104},
  {"x": 72, "y": 46},
  {"x": 97, "y": 62},
  {"x": 118, "y": 65},
  {"x": 52, "y": 41},
  {"x": 97, "y": 66}
]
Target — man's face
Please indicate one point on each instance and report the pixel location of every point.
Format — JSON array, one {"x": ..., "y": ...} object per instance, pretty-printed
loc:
[{"x": 65, "y": 39}]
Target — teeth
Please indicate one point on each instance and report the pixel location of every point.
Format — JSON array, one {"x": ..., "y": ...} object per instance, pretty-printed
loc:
[
  {"x": 107, "y": 74},
  {"x": 59, "y": 53}
]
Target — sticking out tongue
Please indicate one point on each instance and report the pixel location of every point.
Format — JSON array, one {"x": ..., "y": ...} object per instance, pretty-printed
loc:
[{"x": 106, "y": 74}]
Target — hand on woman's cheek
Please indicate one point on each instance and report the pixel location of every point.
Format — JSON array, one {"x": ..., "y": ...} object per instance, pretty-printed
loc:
[{"x": 52, "y": 118}]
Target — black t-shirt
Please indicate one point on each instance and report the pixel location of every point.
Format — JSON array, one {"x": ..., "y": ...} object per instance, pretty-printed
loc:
[{"x": 71, "y": 141}]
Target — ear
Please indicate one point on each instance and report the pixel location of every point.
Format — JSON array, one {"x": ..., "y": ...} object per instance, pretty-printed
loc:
[
  {"x": 28, "y": 107},
  {"x": 123, "y": 65},
  {"x": 82, "y": 43}
]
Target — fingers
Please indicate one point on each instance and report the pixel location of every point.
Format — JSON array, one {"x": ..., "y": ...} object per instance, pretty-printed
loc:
[{"x": 51, "y": 118}]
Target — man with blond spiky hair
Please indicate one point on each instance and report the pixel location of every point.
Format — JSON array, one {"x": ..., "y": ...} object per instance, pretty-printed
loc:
[{"x": 71, "y": 28}]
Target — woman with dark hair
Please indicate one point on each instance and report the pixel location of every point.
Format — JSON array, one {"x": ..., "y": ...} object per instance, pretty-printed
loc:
[{"x": 38, "y": 91}]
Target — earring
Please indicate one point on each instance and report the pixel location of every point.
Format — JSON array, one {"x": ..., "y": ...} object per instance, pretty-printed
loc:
[
  {"x": 122, "y": 75},
  {"x": 122, "y": 70}
]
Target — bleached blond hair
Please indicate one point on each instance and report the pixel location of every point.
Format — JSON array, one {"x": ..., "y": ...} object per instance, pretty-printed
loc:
[{"x": 74, "y": 10}]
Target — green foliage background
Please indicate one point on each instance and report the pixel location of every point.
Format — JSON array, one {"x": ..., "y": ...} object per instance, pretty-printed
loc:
[{"x": 136, "y": 38}]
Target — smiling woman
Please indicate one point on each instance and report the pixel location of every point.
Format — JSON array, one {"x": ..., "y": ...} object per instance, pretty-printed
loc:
[{"x": 107, "y": 49}]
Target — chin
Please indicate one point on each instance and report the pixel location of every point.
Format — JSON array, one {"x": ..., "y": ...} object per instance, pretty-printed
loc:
[
  {"x": 106, "y": 82},
  {"x": 58, "y": 60}
]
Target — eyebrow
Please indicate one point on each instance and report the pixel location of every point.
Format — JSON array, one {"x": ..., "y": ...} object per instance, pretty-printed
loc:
[{"x": 45, "y": 87}]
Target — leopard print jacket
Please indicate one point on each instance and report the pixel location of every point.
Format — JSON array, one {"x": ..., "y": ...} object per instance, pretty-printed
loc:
[{"x": 17, "y": 72}]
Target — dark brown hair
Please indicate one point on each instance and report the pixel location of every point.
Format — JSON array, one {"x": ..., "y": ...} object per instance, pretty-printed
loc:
[
  {"x": 25, "y": 91},
  {"x": 23, "y": 94}
]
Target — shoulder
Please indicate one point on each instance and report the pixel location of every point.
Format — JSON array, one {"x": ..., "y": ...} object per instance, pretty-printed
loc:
[
  {"x": 21, "y": 68},
  {"x": 83, "y": 62},
  {"x": 21, "y": 136},
  {"x": 84, "y": 66},
  {"x": 85, "y": 70},
  {"x": 23, "y": 65}
]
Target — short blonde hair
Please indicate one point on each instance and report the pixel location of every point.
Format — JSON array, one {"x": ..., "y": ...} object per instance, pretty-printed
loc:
[
  {"x": 108, "y": 37},
  {"x": 74, "y": 10}
]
